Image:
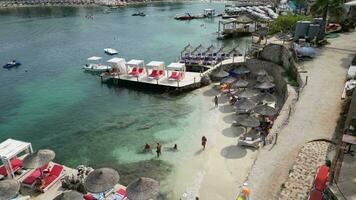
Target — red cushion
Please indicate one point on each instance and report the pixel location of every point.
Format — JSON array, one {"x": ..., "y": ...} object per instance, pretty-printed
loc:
[
  {"x": 140, "y": 70},
  {"x": 15, "y": 165},
  {"x": 154, "y": 73},
  {"x": 56, "y": 170},
  {"x": 121, "y": 192},
  {"x": 89, "y": 197},
  {"x": 34, "y": 175}
]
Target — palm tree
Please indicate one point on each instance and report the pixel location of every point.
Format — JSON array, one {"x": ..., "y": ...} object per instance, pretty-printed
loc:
[{"x": 324, "y": 8}]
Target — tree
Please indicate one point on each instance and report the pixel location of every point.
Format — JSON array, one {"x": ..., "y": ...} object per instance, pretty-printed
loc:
[{"x": 333, "y": 8}]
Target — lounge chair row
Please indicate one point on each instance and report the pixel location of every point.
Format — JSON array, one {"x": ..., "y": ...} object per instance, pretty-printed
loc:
[
  {"x": 51, "y": 175},
  {"x": 155, "y": 74}
]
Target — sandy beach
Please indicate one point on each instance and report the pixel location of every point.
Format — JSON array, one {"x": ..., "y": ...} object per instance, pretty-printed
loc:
[{"x": 217, "y": 172}]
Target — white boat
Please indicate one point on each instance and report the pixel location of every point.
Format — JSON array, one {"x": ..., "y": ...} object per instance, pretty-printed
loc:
[
  {"x": 95, "y": 66},
  {"x": 111, "y": 51}
]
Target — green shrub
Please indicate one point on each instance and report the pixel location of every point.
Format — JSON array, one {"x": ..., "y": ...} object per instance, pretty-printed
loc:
[{"x": 287, "y": 23}]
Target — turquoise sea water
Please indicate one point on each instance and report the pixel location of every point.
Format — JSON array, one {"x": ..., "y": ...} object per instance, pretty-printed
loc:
[{"x": 50, "y": 102}]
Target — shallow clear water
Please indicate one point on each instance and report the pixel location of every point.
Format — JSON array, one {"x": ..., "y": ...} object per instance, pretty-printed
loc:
[{"x": 52, "y": 103}]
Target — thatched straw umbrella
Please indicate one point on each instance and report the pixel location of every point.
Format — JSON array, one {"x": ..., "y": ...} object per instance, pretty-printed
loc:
[
  {"x": 249, "y": 122},
  {"x": 262, "y": 72},
  {"x": 9, "y": 189},
  {"x": 242, "y": 70},
  {"x": 265, "y": 78},
  {"x": 228, "y": 80},
  {"x": 38, "y": 159},
  {"x": 101, "y": 180},
  {"x": 266, "y": 97},
  {"x": 143, "y": 189},
  {"x": 248, "y": 94},
  {"x": 241, "y": 84},
  {"x": 219, "y": 74},
  {"x": 265, "y": 85},
  {"x": 69, "y": 195},
  {"x": 265, "y": 110},
  {"x": 244, "y": 104}
]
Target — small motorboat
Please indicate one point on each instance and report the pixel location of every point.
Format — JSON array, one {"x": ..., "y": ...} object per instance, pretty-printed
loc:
[
  {"x": 187, "y": 16},
  {"x": 95, "y": 66},
  {"x": 11, "y": 64},
  {"x": 139, "y": 14},
  {"x": 111, "y": 51}
]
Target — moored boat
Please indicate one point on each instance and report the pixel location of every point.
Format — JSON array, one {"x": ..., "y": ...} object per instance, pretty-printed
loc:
[
  {"x": 187, "y": 16},
  {"x": 141, "y": 14},
  {"x": 111, "y": 51},
  {"x": 95, "y": 66},
  {"x": 11, "y": 64}
]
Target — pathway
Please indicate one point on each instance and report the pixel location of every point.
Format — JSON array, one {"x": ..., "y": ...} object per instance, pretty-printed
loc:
[{"x": 315, "y": 116}]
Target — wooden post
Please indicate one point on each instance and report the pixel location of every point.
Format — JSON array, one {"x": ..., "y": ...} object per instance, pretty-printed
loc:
[
  {"x": 194, "y": 79},
  {"x": 157, "y": 81}
]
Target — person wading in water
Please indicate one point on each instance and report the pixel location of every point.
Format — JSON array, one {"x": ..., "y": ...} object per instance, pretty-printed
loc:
[
  {"x": 203, "y": 142},
  {"x": 158, "y": 151}
]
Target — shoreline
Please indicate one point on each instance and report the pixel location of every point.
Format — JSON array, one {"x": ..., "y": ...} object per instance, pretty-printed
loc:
[
  {"x": 217, "y": 172},
  {"x": 96, "y": 5}
]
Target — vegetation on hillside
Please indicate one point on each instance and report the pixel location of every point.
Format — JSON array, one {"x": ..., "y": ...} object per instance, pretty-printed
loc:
[{"x": 286, "y": 23}]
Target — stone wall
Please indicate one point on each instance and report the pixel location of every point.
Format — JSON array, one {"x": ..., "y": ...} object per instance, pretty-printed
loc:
[
  {"x": 283, "y": 56},
  {"x": 273, "y": 69}
]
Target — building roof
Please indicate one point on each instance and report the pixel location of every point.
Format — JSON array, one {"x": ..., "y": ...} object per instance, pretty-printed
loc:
[
  {"x": 10, "y": 148},
  {"x": 176, "y": 66},
  {"x": 116, "y": 60},
  {"x": 153, "y": 64},
  {"x": 135, "y": 62}
]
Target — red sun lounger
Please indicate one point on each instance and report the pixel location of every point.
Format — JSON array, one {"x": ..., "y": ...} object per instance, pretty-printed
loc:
[
  {"x": 16, "y": 164},
  {"x": 133, "y": 72},
  {"x": 30, "y": 180},
  {"x": 52, "y": 177},
  {"x": 153, "y": 74}
]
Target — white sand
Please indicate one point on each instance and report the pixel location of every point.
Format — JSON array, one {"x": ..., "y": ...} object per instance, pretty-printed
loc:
[{"x": 217, "y": 172}]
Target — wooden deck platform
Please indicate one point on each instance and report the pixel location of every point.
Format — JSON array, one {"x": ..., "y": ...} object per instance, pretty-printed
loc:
[{"x": 190, "y": 79}]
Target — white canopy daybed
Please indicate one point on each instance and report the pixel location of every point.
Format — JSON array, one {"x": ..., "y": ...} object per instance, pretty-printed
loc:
[
  {"x": 177, "y": 71},
  {"x": 118, "y": 63},
  {"x": 9, "y": 150},
  {"x": 135, "y": 67},
  {"x": 157, "y": 69}
]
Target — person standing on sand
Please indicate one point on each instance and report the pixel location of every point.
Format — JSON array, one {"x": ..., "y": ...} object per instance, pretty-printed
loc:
[
  {"x": 158, "y": 151},
  {"x": 216, "y": 101},
  {"x": 203, "y": 142}
]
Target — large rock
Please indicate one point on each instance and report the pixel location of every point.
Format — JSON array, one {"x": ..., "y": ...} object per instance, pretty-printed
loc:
[
  {"x": 272, "y": 52},
  {"x": 205, "y": 80}
]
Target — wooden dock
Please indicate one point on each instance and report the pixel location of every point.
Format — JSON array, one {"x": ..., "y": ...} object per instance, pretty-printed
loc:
[{"x": 191, "y": 80}]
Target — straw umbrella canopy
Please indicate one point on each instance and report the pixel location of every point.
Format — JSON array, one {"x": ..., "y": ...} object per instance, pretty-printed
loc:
[
  {"x": 248, "y": 93},
  {"x": 69, "y": 195},
  {"x": 9, "y": 189},
  {"x": 241, "y": 70},
  {"x": 249, "y": 122},
  {"x": 228, "y": 80},
  {"x": 266, "y": 97},
  {"x": 265, "y": 110},
  {"x": 265, "y": 78},
  {"x": 219, "y": 74},
  {"x": 101, "y": 180},
  {"x": 241, "y": 84},
  {"x": 38, "y": 159},
  {"x": 244, "y": 104},
  {"x": 265, "y": 85},
  {"x": 142, "y": 189},
  {"x": 262, "y": 72}
]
